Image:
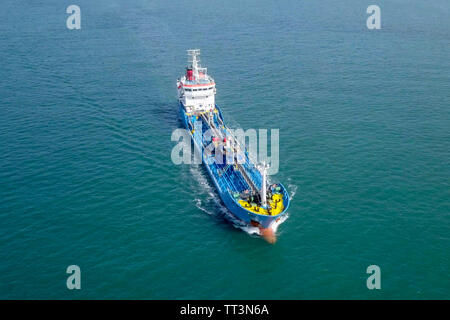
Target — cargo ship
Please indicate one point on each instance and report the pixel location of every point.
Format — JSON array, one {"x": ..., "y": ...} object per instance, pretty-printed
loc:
[{"x": 241, "y": 183}]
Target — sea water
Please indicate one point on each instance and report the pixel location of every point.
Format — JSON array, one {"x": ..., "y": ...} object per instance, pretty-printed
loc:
[{"x": 86, "y": 176}]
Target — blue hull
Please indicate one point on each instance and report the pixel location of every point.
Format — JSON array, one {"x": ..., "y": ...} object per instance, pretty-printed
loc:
[{"x": 224, "y": 187}]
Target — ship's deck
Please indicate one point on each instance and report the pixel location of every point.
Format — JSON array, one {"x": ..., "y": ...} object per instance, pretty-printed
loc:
[
  {"x": 275, "y": 205},
  {"x": 242, "y": 179}
]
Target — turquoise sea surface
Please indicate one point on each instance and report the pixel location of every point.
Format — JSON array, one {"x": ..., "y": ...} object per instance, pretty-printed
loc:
[{"x": 86, "y": 176}]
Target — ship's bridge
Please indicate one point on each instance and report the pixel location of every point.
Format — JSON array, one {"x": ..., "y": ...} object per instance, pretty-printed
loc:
[{"x": 196, "y": 89}]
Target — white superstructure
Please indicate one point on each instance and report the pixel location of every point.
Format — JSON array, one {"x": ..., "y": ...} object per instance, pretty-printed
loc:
[{"x": 196, "y": 89}]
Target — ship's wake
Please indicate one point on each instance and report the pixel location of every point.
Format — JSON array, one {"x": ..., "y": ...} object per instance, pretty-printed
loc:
[{"x": 292, "y": 188}]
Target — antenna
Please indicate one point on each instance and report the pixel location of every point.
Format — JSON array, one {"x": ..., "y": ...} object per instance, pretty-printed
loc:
[{"x": 194, "y": 60}]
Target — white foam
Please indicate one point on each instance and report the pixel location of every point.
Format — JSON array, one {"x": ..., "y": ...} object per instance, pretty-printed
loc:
[{"x": 292, "y": 188}]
